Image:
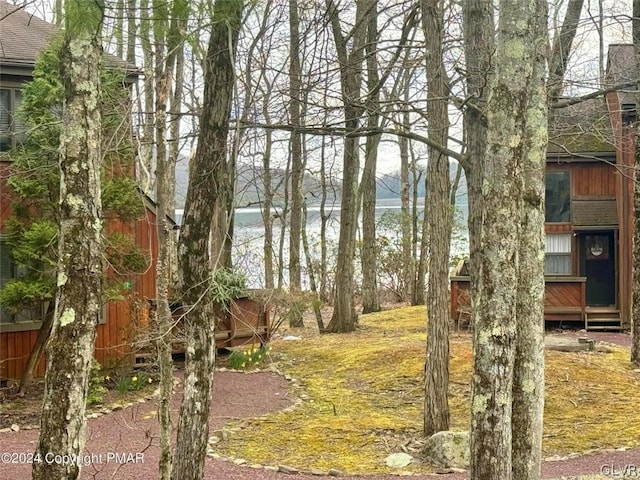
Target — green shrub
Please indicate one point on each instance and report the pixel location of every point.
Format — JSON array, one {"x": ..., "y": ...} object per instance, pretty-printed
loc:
[
  {"x": 96, "y": 384},
  {"x": 132, "y": 382}
]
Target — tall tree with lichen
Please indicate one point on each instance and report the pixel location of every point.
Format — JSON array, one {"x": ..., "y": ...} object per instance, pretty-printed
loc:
[
  {"x": 79, "y": 271},
  {"x": 202, "y": 240},
  {"x": 515, "y": 146}
]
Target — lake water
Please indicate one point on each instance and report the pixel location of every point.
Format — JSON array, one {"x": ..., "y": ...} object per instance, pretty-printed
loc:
[{"x": 249, "y": 234}]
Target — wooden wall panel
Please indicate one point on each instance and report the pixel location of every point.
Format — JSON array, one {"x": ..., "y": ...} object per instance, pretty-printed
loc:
[
  {"x": 562, "y": 295},
  {"x": 113, "y": 337},
  {"x": 557, "y": 227},
  {"x": 595, "y": 179}
]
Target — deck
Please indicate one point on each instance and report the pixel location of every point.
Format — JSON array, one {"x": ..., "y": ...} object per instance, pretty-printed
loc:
[{"x": 564, "y": 301}]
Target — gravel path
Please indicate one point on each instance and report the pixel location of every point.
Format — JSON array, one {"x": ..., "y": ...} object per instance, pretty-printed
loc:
[{"x": 134, "y": 430}]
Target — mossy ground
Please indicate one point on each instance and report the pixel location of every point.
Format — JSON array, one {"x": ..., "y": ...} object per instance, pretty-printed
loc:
[{"x": 365, "y": 394}]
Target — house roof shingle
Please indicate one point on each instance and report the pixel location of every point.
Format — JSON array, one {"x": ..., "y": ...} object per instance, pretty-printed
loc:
[
  {"x": 583, "y": 127},
  {"x": 23, "y": 36},
  {"x": 595, "y": 213}
]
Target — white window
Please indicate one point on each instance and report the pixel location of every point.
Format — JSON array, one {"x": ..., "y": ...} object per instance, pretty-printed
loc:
[{"x": 558, "y": 254}]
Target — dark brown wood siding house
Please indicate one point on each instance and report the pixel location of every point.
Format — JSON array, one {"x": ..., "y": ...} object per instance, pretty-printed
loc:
[{"x": 589, "y": 195}]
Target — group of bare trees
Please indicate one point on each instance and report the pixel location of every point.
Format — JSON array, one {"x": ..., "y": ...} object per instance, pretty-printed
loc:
[{"x": 355, "y": 74}]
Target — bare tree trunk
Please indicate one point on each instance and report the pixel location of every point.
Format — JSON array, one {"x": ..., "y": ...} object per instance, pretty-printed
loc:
[
  {"x": 370, "y": 301},
  {"x": 267, "y": 206},
  {"x": 436, "y": 406},
  {"x": 165, "y": 33},
  {"x": 37, "y": 350},
  {"x": 146, "y": 157},
  {"x": 317, "y": 303},
  {"x": 325, "y": 294},
  {"x": 562, "y": 48},
  {"x": 479, "y": 45},
  {"x": 131, "y": 31},
  {"x": 344, "y": 316},
  {"x": 635, "y": 320},
  {"x": 405, "y": 210},
  {"x": 295, "y": 225},
  {"x": 417, "y": 260},
  {"x": 118, "y": 30},
  {"x": 79, "y": 279},
  {"x": 58, "y": 12},
  {"x": 203, "y": 234}
]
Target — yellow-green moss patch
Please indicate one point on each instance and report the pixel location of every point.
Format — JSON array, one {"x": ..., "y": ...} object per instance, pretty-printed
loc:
[{"x": 367, "y": 386}]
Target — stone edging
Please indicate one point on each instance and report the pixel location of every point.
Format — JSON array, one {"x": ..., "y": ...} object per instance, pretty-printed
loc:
[
  {"x": 224, "y": 433},
  {"x": 96, "y": 414}
]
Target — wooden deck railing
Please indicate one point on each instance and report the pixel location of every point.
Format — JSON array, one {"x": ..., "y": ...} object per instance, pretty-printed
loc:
[{"x": 564, "y": 297}]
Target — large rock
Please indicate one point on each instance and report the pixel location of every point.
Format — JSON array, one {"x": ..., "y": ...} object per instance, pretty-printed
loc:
[{"x": 448, "y": 449}]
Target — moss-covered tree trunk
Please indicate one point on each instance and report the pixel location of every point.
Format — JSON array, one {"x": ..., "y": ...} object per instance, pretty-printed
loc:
[
  {"x": 528, "y": 374},
  {"x": 203, "y": 237},
  {"x": 516, "y": 121},
  {"x": 79, "y": 278},
  {"x": 436, "y": 406}
]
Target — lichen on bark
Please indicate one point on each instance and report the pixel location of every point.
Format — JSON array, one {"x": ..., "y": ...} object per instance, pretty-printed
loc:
[{"x": 80, "y": 249}]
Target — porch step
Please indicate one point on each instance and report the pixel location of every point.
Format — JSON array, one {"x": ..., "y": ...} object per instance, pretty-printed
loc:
[
  {"x": 602, "y": 319},
  {"x": 144, "y": 359}
]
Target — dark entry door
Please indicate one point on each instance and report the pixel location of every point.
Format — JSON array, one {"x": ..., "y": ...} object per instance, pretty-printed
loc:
[{"x": 598, "y": 264}]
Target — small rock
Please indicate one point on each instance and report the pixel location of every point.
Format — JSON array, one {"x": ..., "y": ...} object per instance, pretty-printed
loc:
[
  {"x": 271, "y": 468},
  {"x": 555, "y": 458},
  {"x": 15, "y": 427},
  {"x": 288, "y": 469},
  {"x": 240, "y": 461},
  {"x": 398, "y": 460},
  {"x": 458, "y": 470},
  {"x": 317, "y": 472},
  {"x": 256, "y": 466},
  {"x": 448, "y": 449},
  {"x": 5, "y": 430},
  {"x": 334, "y": 473}
]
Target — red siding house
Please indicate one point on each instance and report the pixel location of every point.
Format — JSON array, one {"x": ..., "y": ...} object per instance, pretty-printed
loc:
[
  {"x": 120, "y": 337},
  {"x": 589, "y": 209},
  {"x": 23, "y": 37}
]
